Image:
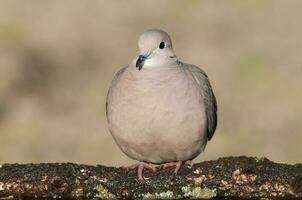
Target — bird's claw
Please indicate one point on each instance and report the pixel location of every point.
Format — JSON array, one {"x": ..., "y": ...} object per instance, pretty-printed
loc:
[
  {"x": 140, "y": 167},
  {"x": 177, "y": 165},
  {"x": 173, "y": 164},
  {"x": 189, "y": 162}
]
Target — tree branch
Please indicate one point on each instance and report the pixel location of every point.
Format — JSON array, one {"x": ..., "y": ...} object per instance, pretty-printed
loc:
[{"x": 231, "y": 177}]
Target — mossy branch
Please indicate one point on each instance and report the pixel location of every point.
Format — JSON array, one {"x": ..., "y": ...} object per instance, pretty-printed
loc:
[{"x": 225, "y": 178}]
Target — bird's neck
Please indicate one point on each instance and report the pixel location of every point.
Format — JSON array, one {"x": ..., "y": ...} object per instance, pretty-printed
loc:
[{"x": 162, "y": 73}]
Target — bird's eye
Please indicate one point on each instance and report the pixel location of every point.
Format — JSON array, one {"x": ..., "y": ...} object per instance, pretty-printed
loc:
[{"x": 162, "y": 45}]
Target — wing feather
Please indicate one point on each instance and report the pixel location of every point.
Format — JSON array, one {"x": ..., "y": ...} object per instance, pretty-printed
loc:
[{"x": 209, "y": 98}]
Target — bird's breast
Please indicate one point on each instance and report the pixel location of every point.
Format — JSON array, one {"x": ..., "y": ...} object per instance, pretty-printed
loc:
[{"x": 147, "y": 114}]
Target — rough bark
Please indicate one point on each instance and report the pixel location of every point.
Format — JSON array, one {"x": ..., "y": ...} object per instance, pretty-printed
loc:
[{"x": 225, "y": 178}]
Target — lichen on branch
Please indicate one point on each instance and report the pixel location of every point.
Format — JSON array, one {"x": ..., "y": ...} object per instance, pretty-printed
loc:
[{"x": 230, "y": 177}]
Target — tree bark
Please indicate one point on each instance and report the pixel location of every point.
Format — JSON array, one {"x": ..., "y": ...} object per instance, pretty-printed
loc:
[{"x": 225, "y": 178}]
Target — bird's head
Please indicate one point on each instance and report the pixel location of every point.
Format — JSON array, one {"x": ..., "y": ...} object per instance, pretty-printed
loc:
[{"x": 155, "y": 49}]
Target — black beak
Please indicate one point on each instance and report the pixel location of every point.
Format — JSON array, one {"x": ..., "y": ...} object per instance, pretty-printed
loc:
[{"x": 140, "y": 61}]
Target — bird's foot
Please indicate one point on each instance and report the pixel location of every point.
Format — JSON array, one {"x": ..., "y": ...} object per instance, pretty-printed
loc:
[
  {"x": 140, "y": 167},
  {"x": 173, "y": 164},
  {"x": 177, "y": 165},
  {"x": 189, "y": 162}
]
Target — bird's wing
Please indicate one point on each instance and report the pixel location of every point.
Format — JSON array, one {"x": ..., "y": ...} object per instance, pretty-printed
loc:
[
  {"x": 112, "y": 85},
  {"x": 209, "y": 98}
]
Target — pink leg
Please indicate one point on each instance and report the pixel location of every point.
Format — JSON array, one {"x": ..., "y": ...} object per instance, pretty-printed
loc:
[
  {"x": 189, "y": 162},
  {"x": 140, "y": 167},
  {"x": 172, "y": 164}
]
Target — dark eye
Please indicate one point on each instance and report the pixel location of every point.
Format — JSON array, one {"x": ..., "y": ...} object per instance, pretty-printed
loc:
[{"x": 162, "y": 45}]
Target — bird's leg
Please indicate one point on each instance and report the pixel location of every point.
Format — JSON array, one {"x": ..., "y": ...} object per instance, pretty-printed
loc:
[
  {"x": 173, "y": 164},
  {"x": 140, "y": 167},
  {"x": 177, "y": 165},
  {"x": 189, "y": 162}
]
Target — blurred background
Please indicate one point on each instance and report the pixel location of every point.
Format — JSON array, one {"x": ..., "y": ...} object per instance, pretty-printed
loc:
[{"x": 57, "y": 59}]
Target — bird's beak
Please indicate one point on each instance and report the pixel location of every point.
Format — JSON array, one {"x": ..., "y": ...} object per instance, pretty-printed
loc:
[{"x": 140, "y": 61}]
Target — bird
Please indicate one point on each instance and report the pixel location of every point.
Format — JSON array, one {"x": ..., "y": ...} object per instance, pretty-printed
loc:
[{"x": 160, "y": 111}]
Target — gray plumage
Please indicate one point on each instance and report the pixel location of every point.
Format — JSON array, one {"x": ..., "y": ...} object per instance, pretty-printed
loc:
[
  {"x": 159, "y": 109},
  {"x": 209, "y": 98}
]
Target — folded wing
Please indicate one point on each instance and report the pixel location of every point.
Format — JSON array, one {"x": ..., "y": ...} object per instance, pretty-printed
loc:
[{"x": 209, "y": 98}]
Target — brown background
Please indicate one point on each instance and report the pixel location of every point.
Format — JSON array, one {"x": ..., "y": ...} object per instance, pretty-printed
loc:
[{"x": 57, "y": 59}]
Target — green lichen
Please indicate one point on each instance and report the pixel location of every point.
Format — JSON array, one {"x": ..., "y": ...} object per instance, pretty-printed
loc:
[
  {"x": 163, "y": 195},
  {"x": 103, "y": 193},
  {"x": 198, "y": 192}
]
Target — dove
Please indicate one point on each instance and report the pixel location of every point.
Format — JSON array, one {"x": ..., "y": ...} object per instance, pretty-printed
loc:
[{"x": 160, "y": 111}]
